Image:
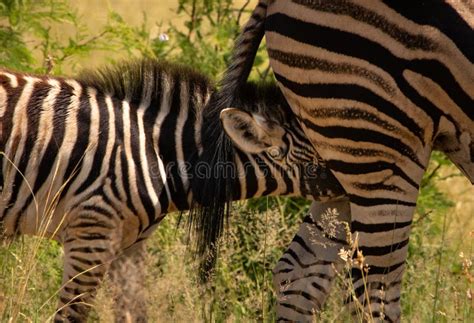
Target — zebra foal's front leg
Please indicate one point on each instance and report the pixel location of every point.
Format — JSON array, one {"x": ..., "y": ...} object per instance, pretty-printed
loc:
[
  {"x": 304, "y": 274},
  {"x": 90, "y": 243}
]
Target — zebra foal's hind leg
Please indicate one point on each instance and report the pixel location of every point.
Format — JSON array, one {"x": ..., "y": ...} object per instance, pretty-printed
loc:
[
  {"x": 304, "y": 274},
  {"x": 90, "y": 243},
  {"x": 128, "y": 275}
]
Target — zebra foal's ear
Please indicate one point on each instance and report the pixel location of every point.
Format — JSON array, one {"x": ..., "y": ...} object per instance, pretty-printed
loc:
[{"x": 252, "y": 133}]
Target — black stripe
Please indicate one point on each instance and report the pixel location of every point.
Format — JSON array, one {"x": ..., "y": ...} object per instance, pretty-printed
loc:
[
  {"x": 320, "y": 287},
  {"x": 442, "y": 76},
  {"x": 90, "y": 237},
  {"x": 375, "y": 270},
  {"x": 366, "y": 135},
  {"x": 296, "y": 309},
  {"x": 79, "y": 149},
  {"x": 285, "y": 260},
  {"x": 310, "y": 275},
  {"x": 373, "y": 201},
  {"x": 88, "y": 249},
  {"x": 82, "y": 282},
  {"x": 113, "y": 162},
  {"x": 309, "y": 62},
  {"x": 86, "y": 261},
  {"x": 266, "y": 164},
  {"x": 284, "y": 172},
  {"x": 359, "y": 291},
  {"x": 383, "y": 250},
  {"x": 442, "y": 16},
  {"x": 300, "y": 241},
  {"x": 377, "y": 227},
  {"x": 408, "y": 38},
  {"x": 136, "y": 160},
  {"x": 303, "y": 294},
  {"x": 365, "y": 168},
  {"x": 302, "y": 265},
  {"x": 13, "y": 95},
  {"x": 88, "y": 273},
  {"x": 98, "y": 209},
  {"x": 100, "y": 145},
  {"x": 251, "y": 184},
  {"x": 167, "y": 144}
]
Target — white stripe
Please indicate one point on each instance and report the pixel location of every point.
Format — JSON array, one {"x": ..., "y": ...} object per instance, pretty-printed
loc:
[
  {"x": 143, "y": 157},
  {"x": 241, "y": 175},
  {"x": 166, "y": 92},
  {"x": 182, "y": 117},
  {"x": 13, "y": 79},
  {"x": 3, "y": 103},
  {"x": 132, "y": 179},
  {"x": 111, "y": 136}
]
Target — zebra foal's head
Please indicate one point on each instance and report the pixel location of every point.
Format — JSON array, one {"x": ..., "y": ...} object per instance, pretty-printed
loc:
[{"x": 276, "y": 139}]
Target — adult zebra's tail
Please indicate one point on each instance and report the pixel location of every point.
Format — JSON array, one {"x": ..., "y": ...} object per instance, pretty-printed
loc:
[{"x": 243, "y": 56}]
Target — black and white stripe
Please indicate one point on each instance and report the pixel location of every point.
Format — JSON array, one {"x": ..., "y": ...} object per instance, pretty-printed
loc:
[
  {"x": 376, "y": 85},
  {"x": 96, "y": 162}
]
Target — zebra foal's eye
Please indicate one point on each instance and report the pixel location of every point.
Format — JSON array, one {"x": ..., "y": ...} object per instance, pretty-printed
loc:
[{"x": 275, "y": 153}]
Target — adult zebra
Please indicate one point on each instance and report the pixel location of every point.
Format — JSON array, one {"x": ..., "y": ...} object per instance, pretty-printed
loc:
[
  {"x": 376, "y": 85},
  {"x": 97, "y": 162}
]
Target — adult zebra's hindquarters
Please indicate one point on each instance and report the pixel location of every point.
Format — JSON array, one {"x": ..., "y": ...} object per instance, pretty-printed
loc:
[
  {"x": 111, "y": 146},
  {"x": 376, "y": 86}
]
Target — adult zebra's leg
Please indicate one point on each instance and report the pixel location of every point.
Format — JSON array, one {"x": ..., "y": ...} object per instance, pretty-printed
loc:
[
  {"x": 304, "y": 274},
  {"x": 382, "y": 242},
  {"x": 128, "y": 274},
  {"x": 90, "y": 243}
]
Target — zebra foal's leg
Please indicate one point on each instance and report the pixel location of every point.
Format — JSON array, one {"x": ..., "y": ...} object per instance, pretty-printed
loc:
[
  {"x": 303, "y": 276},
  {"x": 128, "y": 274},
  {"x": 90, "y": 241}
]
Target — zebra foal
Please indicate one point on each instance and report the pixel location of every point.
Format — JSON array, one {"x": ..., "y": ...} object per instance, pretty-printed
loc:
[
  {"x": 96, "y": 162},
  {"x": 376, "y": 86}
]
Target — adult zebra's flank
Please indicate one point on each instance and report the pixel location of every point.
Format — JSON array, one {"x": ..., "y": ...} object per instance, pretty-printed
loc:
[
  {"x": 98, "y": 161},
  {"x": 376, "y": 86}
]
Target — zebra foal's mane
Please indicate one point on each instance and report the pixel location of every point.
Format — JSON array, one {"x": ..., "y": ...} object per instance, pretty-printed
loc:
[{"x": 140, "y": 80}]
